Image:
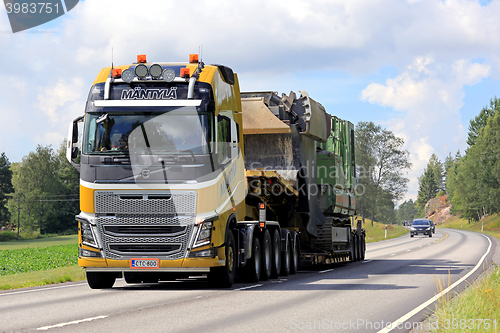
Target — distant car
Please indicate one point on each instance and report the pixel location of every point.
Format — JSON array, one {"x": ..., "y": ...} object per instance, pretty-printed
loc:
[
  {"x": 433, "y": 226},
  {"x": 421, "y": 227}
]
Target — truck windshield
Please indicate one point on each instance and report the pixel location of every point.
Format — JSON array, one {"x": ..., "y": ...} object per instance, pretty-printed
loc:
[{"x": 179, "y": 131}]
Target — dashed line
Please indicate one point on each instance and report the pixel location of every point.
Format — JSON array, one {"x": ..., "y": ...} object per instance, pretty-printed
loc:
[
  {"x": 326, "y": 271},
  {"x": 365, "y": 261},
  {"x": 249, "y": 287},
  {"x": 441, "y": 238},
  {"x": 45, "y": 328},
  {"x": 408, "y": 250}
]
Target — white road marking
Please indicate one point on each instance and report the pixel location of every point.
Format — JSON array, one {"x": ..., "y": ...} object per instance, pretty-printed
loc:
[
  {"x": 408, "y": 250},
  {"x": 45, "y": 328},
  {"x": 422, "y": 306},
  {"x": 365, "y": 261},
  {"x": 42, "y": 289},
  {"x": 249, "y": 287},
  {"x": 325, "y": 271},
  {"x": 393, "y": 254}
]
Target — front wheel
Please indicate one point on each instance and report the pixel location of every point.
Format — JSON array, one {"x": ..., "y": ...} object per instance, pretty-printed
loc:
[
  {"x": 101, "y": 280},
  {"x": 224, "y": 276}
]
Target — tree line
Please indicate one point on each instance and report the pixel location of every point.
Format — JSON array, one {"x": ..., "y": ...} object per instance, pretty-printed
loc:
[
  {"x": 472, "y": 180},
  {"x": 40, "y": 193}
]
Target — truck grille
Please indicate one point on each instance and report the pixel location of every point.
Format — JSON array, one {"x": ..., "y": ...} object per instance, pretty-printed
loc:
[
  {"x": 128, "y": 249},
  {"x": 152, "y": 203},
  {"x": 136, "y": 230},
  {"x": 159, "y": 225}
]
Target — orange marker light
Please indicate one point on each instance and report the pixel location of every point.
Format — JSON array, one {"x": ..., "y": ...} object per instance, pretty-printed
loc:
[
  {"x": 141, "y": 58},
  {"x": 193, "y": 58},
  {"x": 185, "y": 72},
  {"x": 262, "y": 206},
  {"x": 117, "y": 72}
]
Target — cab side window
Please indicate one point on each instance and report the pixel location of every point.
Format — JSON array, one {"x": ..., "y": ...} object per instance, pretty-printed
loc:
[{"x": 223, "y": 139}]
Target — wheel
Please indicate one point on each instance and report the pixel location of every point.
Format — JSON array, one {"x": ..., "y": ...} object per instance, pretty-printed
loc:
[
  {"x": 294, "y": 267},
  {"x": 276, "y": 254},
  {"x": 224, "y": 276},
  {"x": 101, "y": 280},
  {"x": 411, "y": 235},
  {"x": 266, "y": 251},
  {"x": 362, "y": 250},
  {"x": 131, "y": 277},
  {"x": 253, "y": 266},
  {"x": 430, "y": 234},
  {"x": 286, "y": 256},
  {"x": 354, "y": 249}
]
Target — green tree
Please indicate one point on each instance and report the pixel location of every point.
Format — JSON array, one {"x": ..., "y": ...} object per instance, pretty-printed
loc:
[
  {"x": 437, "y": 168},
  {"x": 477, "y": 124},
  {"x": 383, "y": 164},
  {"x": 46, "y": 192},
  {"x": 428, "y": 188},
  {"x": 476, "y": 183},
  {"x": 6, "y": 188},
  {"x": 407, "y": 211}
]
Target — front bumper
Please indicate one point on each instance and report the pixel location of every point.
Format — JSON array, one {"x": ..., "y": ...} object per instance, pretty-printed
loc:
[
  {"x": 420, "y": 232},
  {"x": 195, "y": 265}
]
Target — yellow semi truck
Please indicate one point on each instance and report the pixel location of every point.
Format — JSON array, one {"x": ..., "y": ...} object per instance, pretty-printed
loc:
[{"x": 181, "y": 174}]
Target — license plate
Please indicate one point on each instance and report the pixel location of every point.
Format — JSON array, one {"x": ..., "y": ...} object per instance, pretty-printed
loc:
[{"x": 144, "y": 263}]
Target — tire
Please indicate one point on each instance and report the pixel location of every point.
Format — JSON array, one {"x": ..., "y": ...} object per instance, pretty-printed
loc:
[
  {"x": 101, "y": 280},
  {"x": 286, "y": 256},
  {"x": 362, "y": 248},
  {"x": 411, "y": 235},
  {"x": 295, "y": 262},
  {"x": 276, "y": 254},
  {"x": 224, "y": 277},
  {"x": 430, "y": 235},
  {"x": 132, "y": 277},
  {"x": 253, "y": 266},
  {"x": 354, "y": 249},
  {"x": 266, "y": 253}
]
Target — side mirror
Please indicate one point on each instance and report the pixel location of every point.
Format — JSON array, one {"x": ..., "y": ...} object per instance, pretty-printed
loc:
[{"x": 71, "y": 151}]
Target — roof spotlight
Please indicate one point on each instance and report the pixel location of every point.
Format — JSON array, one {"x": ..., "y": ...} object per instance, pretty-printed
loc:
[
  {"x": 155, "y": 71},
  {"x": 168, "y": 75},
  {"x": 128, "y": 75},
  {"x": 141, "y": 71}
]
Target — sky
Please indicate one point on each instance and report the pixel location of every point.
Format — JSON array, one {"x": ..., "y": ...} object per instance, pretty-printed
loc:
[{"x": 420, "y": 68}]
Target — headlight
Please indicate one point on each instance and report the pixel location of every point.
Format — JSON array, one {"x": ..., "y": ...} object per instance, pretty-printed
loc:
[
  {"x": 412, "y": 229},
  {"x": 204, "y": 234},
  {"x": 428, "y": 228},
  {"x": 87, "y": 253},
  {"x": 87, "y": 234}
]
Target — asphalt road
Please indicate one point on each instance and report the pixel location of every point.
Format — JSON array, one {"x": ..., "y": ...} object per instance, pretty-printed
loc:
[{"x": 397, "y": 277}]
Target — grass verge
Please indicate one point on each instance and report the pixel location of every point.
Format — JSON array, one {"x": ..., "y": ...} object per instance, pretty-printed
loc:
[
  {"x": 40, "y": 278},
  {"x": 478, "y": 307},
  {"x": 376, "y": 232}
]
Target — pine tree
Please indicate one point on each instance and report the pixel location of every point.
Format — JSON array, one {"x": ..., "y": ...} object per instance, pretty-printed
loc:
[{"x": 6, "y": 188}]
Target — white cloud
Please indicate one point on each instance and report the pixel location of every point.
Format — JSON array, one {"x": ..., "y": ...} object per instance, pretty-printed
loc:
[
  {"x": 53, "y": 97},
  {"x": 431, "y": 94}
]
